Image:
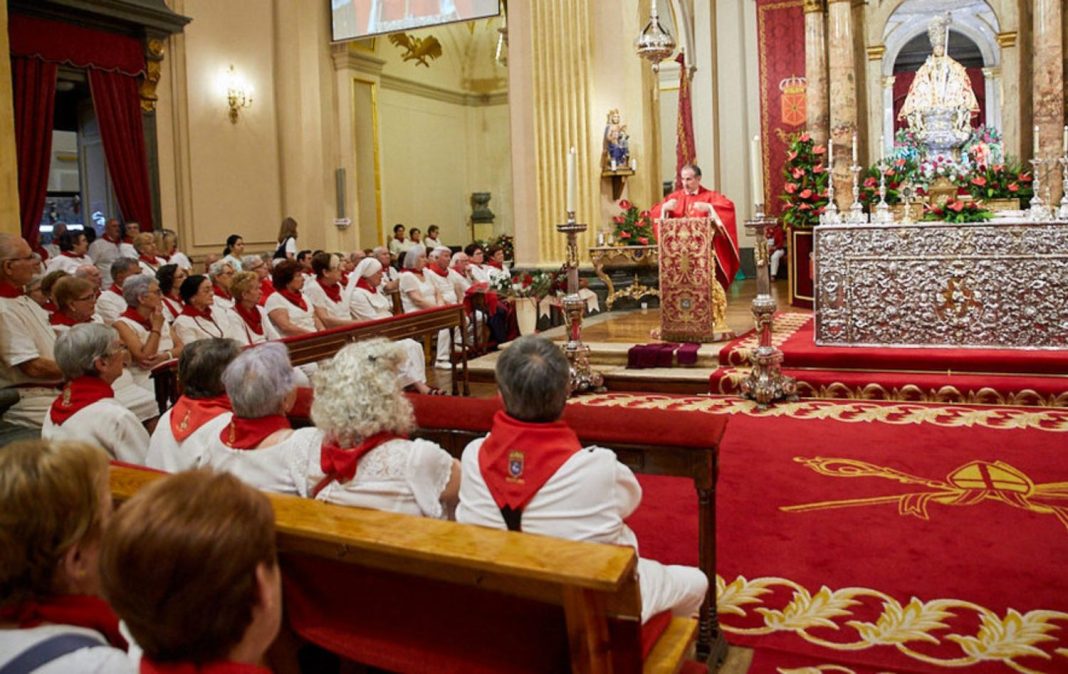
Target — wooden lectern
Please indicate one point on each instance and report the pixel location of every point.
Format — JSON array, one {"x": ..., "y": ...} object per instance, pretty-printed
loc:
[{"x": 693, "y": 305}]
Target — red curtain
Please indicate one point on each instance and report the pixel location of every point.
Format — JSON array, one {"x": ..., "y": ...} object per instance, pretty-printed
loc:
[
  {"x": 118, "y": 111},
  {"x": 685, "y": 152},
  {"x": 34, "y": 93}
]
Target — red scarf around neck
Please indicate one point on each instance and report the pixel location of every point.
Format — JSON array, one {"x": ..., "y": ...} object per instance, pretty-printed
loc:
[
  {"x": 9, "y": 290},
  {"x": 69, "y": 254},
  {"x": 442, "y": 274},
  {"x": 136, "y": 317},
  {"x": 190, "y": 310},
  {"x": 243, "y": 433},
  {"x": 77, "y": 610},
  {"x": 173, "y": 305},
  {"x": 189, "y": 414},
  {"x": 339, "y": 463},
  {"x": 517, "y": 458},
  {"x": 60, "y": 318},
  {"x": 333, "y": 290},
  {"x": 217, "y": 667},
  {"x": 79, "y": 393},
  {"x": 495, "y": 264},
  {"x": 221, "y": 292},
  {"x": 252, "y": 317},
  {"x": 362, "y": 283},
  {"x": 116, "y": 289},
  {"x": 266, "y": 290},
  {"x": 150, "y": 261},
  {"x": 294, "y": 298},
  {"x": 111, "y": 240}
]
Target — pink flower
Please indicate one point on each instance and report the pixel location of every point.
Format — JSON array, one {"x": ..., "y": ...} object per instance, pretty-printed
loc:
[
  {"x": 869, "y": 182},
  {"x": 818, "y": 169},
  {"x": 624, "y": 235},
  {"x": 805, "y": 207},
  {"x": 819, "y": 149},
  {"x": 805, "y": 137},
  {"x": 790, "y": 156},
  {"x": 1025, "y": 177},
  {"x": 1013, "y": 187},
  {"x": 979, "y": 181},
  {"x": 790, "y": 188},
  {"x": 797, "y": 173},
  {"x": 957, "y": 206},
  {"x": 643, "y": 240},
  {"x": 645, "y": 214},
  {"x": 625, "y": 205},
  {"x": 899, "y": 162},
  {"x": 618, "y": 220},
  {"x": 805, "y": 193}
]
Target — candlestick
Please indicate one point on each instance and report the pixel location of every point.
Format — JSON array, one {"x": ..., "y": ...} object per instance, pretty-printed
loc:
[
  {"x": 756, "y": 169},
  {"x": 1035, "y": 139},
  {"x": 572, "y": 185}
]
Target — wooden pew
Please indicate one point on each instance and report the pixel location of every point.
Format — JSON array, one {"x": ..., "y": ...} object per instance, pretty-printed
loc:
[
  {"x": 414, "y": 594},
  {"x": 320, "y": 345}
]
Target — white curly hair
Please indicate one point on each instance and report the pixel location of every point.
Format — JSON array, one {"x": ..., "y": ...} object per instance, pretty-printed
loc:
[{"x": 358, "y": 393}]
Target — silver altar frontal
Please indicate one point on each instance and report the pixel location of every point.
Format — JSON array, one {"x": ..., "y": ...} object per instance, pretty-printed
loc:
[{"x": 998, "y": 284}]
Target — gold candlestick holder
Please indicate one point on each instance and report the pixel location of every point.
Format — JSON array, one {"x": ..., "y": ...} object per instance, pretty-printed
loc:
[{"x": 584, "y": 379}]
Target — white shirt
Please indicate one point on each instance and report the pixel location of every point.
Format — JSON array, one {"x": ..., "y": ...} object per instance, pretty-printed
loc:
[
  {"x": 141, "y": 376},
  {"x": 413, "y": 281},
  {"x": 110, "y": 305},
  {"x": 368, "y": 306},
  {"x": 105, "y": 423},
  {"x": 191, "y": 328},
  {"x": 399, "y": 476},
  {"x": 479, "y": 272},
  {"x": 233, "y": 262},
  {"x": 460, "y": 284},
  {"x": 442, "y": 284},
  {"x": 101, "y": 659},
  {"x": 315, "y": 296},
  {"x": 25, "y": 335},
  {"x": 238, "y": 330},
  {"x": 301, "y": 318},
  {"x": 67, "y": 263},
  {"x": 280, "y": 468},
  {"x": 181, "y": 259},
  {"x": 166, "y": 453},
  {"x": 431, "y": 244},
  {"x": 103, "y": 253},
  {"x": 149, "y": 269},
  {"x": 389, "y": 274}
]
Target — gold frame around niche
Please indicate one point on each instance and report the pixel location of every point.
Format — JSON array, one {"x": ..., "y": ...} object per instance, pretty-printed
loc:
[{"x": 376, "y": 157}]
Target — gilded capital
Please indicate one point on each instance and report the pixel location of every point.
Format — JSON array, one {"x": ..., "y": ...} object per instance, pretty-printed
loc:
[
  {"x": 154, "y": 48},
  {"x": 814, "y": 5}
]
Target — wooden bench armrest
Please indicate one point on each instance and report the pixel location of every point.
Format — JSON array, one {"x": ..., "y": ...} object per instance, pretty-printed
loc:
[{"x": 673, "y": 647}]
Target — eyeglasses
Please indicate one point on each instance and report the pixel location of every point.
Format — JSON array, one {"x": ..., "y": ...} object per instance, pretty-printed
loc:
[
  {"x": 87, "y": 298},
  {"x": 23, "y": 258}
]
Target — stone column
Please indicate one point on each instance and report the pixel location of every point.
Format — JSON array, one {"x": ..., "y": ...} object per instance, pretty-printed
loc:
[
  {"x": 817, "y": 119},
  {"x": 843, "y": 95},
  {"x": 9, "y": 183},
  {"x": 1048, "y": 84}
]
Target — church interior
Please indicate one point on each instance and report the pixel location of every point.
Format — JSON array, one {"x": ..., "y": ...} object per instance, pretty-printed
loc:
[{"x": 779, "y": 244}]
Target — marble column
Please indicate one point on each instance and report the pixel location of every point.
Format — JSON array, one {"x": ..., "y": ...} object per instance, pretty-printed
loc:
[
  {"x": 816, "y": 113},
  {"x": 9, "y": 183},
  {"x": 843, "y": 95},
  {"x": 1048, "y": 84}
]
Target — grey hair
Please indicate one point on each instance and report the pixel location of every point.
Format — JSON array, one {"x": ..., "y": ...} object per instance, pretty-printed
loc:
[
  {"x": 123, "y": 265},
  {"x": 249, "y": 260},
  {"x": 378, "y": 250},
  {"x": 8, "y": 244},
  {"x": 77, "y": 349},
  {"x": 437, "y": 252},
  {"x": 412, "y": 255},
  {"x": 368, "y": 267},
  {"x": 358, "y": 394},
  {"x": 135, "y": 287},
  {"x": 458, "y": 258},
  {"x": 216, "y": 268},
  {"x": 259, "y": 380},
  {"x": 35, "y": 281},
  {"x": 534, "y": 378},
  {"x": 85, "y": 271},
  {"x": 202, "y": 363}
]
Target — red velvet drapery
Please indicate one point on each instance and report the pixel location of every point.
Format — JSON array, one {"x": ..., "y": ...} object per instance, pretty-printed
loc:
[
  {"x": 113, "y": 62},
  {"x": 685, "y": 151},
  {"x": 34, "y": 93}
]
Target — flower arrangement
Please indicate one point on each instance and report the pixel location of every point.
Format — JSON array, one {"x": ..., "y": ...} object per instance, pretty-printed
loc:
[
  {"x": 504, "y": 241},
  {"x": 1000, "y": 181},
  {"x": 941, "y": 166},
  {"x": 898, "y": 172},
  {"x": 984, "y": 146},
  {"x": 634, "y": 227},
  {"x": 805, "y": 192},
  {"x": 537, "y": 285},
  {"x": 957, "y": 211}
]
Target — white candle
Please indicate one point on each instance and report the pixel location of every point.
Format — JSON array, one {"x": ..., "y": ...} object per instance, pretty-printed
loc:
[
  {"x": 830, "y": 153},
  {"x": 756, "y": 167},
  {"x": 572, "y": 185},
  {"x": 1066, "y": 140},
  {"x": 1035, "y": 148},
  {"x": 854, "y": 149}
]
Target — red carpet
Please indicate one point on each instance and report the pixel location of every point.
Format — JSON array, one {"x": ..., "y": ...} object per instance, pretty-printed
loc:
[{"x": 928, "y": 537}]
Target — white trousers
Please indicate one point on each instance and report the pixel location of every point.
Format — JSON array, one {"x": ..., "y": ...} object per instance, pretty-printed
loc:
[
  {"x": 414, "y": 368},
  {"x": 679, "y": 589},
  {"x": 774, "y": 262}
]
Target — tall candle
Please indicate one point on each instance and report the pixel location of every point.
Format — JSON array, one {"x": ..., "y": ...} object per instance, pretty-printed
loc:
[
  {"x": 854, "y": 149},
  {"x": 1035, "y": 148},
  {"x": 572, "y": 185},
  {"x": 1066, "y": 140},
  {"x": 830, "y": 153},
  {"x": 756, "y": 168}
]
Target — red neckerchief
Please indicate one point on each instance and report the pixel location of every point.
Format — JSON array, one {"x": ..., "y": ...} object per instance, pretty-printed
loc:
[
  {"x": 67, "y": 253},
  {"x": 266, "y": 290},
  {"x": 252, "y": 317},
  {"x": 50, "y": 307},
  {"x": 79, "y": 393},
  {"x": 221, "y": 292},
  {"x": 362, "y": 283},
  {"x": 189, "y": 414},
  {"x": 111, "y": 240},
  {"x": 517, "y": 458},
  {"x": 9, "y": 290},
  {"x": 77, "y": 610},
  {"x": 165, "y": 258},
  {"x": 495, "y": 264},
  {"x": 150, "y": 261},
  {"x": 333, "y": 291},
  {"x": 217, "y": 667},
  {"x": 243, "y": 433},
  {"x": 190, "y": 310},
  {"x": 339, "y": 463},
  {"x": 116, "y": 289},
  {"x": 442, "y": 274},
  {"x": 294, "y": 298},
  {"x": 132, "y": 314},
  {"x": 60, "y": 318},
  {"x": 173, "y": 305},
  {"x": 127, "y": 239}
]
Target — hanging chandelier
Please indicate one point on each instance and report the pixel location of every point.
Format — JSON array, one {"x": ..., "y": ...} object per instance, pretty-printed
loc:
[{"x": 654, "y": 43}]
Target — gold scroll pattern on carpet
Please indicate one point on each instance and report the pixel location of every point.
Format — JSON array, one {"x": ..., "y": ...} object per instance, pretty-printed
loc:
[
  {"x": 997, "y": 638},
  {"x": 968, "y": 485},
  {"x": 730, "y": 382},
  {"x": 820, "y": 669},
  {"x": 783, "y": 328},
  {"x": 898, "y": 414}
]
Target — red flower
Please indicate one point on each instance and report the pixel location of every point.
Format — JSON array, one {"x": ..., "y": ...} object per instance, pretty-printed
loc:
[
  {"x": 619, "y": 220},
  {"x": 1025, "y": 177},
  {"x": 791, "y": 155},
  {"x": 869, "y": 182},
  {"x": 790, "y": 188},
  {"x": 818, "y": 169},
  {"x": 805, "y": 137},
  {"x": 979, "y": 181},
  {"x": 527, "y": 280},
  {"x": 1013, "y": 187},
  {"x": 819, "y": 149},
  {"x": 645, "y": 214},
  {"x": 899, "y": 162},
  {"x": 643, "y": 240},
  {"x": 956, "y": 206},
  {"x": 805, "y": 193},
  {"x": 624, "y": 235},
  {"x": 797, "y": 173},
  {"x": 805, "y": 207},
  {"x": 625, "y": 205}
]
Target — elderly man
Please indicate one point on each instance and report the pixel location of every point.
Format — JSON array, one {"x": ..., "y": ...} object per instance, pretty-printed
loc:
[
  {"x": 29, "y": 375},
  {"x": 531, "y": 474},
  {"x": 437, "y": 274},
  {"x": 108, "y": 248},
  {"x": 52, "y": 247},
  {"x": 390, "y": 276},
  {"x": 111, "y": 304},
  {"x": 90, "y": 273}
]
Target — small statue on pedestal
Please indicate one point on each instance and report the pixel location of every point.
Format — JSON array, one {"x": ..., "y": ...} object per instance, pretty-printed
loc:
[{"x": 616, "y": 153}]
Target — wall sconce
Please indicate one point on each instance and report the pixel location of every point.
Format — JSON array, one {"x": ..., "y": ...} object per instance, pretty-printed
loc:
[{"x": 238, "y": 93}]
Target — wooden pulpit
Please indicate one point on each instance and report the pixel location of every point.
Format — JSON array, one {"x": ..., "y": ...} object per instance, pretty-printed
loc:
[{"x": 693, "y": 305}]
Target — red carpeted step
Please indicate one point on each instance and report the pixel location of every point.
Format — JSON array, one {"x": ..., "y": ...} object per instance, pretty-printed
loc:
[{"x": 943, "y": 387}]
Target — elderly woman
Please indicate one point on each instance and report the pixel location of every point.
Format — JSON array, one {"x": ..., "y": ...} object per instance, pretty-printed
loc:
[
  {"x": 221, "y": 275},
  {"x": 164, "y": 538},
  {"x": 235, "y": 248},
  {"x": 75, "y": 300},
  {"x": 365, "y": 458},
  {"x": 73, "y": 247},
  {"x": 182, "y": 433},
  {"x": 145, "y": 245},
  {"x": 54, "y": 505},
  {"x": 167, "y": 249},
  {"x": 287, "y": 309},
  {"x": 325, "y": 293},
  {"x": 262, "y": 269},
  {"x": 144, "y": 329},
  {"x": 170, "y": 277},
  {"x": 92, "y": 358},
  {"x": 197, "y": 320},
  {"x": 258, "y": 445},
  {"x": 417, "y": 292},
  {"x": 476, "y": 268},
  {"x": 367, "y": 303},
  {"x": 247, "y": 318}
]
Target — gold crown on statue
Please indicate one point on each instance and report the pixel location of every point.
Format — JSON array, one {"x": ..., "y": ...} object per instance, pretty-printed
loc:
[{"x": 793, "y": 85}]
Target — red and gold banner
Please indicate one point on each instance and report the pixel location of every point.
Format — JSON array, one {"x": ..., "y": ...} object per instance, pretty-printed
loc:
[
  {"x": 781, "y": 43},
  {"x": 685, "y": 151}
]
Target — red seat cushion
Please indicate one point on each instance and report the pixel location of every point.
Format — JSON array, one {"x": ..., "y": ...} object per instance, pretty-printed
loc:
[{"x": 652, "y": 630}]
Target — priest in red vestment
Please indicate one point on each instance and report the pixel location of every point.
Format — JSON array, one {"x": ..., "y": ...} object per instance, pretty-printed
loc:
[{"x": 695, "y": 200}]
